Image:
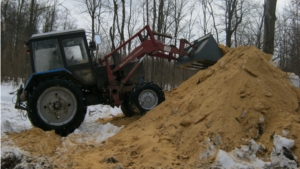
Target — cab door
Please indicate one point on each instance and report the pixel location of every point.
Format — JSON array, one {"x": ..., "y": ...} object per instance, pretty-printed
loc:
[{"x": 78, "y": 60}]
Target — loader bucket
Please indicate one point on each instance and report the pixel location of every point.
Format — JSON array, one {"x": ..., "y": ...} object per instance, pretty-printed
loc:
[{"x": 205, "y": 54}]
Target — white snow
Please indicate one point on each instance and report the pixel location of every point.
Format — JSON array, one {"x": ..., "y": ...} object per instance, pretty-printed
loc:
[
  {"x": 12, "y": 120},
  {"x": 280, "y": 142},
  {"x": 224, "y": 159},
  {"x": 277, "y": 156},
  {"x": 294, "y": 79},
  {"x": 245, "y": 157}
]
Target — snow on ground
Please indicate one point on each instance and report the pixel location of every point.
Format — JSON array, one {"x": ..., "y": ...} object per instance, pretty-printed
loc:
[
  {"x": 245, "y": 157},
  {"x": 13, "y": 120}
]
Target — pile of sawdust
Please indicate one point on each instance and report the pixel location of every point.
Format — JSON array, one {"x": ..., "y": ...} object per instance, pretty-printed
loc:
[
  {"x": 241, "y": 97},
  {"x": 37, "y": 142}
]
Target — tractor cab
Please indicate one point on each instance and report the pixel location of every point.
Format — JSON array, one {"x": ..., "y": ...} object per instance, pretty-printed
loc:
[{"x": 62, "y": 52}]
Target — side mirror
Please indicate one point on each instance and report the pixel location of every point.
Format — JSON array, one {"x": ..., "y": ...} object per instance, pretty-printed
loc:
[
  {"x": 97, "y": 39},
  {"x": 92, "y": 45}
]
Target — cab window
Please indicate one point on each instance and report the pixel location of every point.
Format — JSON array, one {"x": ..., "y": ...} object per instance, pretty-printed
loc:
[
  {"x": 75, "y": 51},
  {"x": 46, "y": 55}
]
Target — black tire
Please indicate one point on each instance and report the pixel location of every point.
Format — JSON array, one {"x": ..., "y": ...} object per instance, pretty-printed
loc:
[
  {"x": 145, "y": 96},
  {"x": 56, "y": 104},
  {"x": 126, "y": 106}
]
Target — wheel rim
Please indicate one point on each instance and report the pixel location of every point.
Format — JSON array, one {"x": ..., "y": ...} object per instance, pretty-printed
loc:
[
  {"x": 148, "y": 99},
  {"x": 57, "y": 106}
]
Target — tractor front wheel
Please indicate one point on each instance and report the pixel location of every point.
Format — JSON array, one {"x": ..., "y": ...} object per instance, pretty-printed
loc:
[
  {"x": 56, "y": 104},
  {"x": 145, "y": 96}
]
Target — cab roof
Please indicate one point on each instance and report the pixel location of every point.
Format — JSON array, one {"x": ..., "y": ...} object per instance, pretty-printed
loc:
[{"x": 56, "y": 33}]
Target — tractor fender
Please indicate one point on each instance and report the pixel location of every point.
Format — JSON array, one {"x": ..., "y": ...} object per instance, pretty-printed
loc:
[{"x": 36, "y": 78}]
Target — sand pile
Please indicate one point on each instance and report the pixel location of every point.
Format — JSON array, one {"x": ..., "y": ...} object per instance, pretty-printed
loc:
[
  {"x": 241, "y": 97},
  {"x": 37, "y": 142}
]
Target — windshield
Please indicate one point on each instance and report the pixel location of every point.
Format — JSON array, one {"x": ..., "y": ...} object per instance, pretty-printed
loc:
[{"x": 46, "y": 55}]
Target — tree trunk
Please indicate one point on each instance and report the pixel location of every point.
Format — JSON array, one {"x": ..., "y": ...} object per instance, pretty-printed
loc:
[
  {"x": 153, "y": 28},
  {"x": 147, "y": 11},
  {"x": 269, "y": 29},
  {"x": 122, "y": 37}
]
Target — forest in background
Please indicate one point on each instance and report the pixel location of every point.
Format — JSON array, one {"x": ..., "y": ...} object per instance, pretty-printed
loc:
[{"x": 232, "y": 22}]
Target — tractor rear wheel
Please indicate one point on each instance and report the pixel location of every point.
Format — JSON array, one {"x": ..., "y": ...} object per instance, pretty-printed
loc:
[
  {"x": 145, "y": 96},
  {"x": 56, "y": 104}
]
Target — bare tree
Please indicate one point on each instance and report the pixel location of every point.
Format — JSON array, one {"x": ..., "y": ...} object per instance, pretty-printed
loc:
[
  {"x": 160, "y": 17},
  {"x": 204, "y": 5},
  {"x": 250, "y": 30},
  {"x": 67, "y": 22},
  {"x": 233, "y": 17},
  {"x": 258, "y": 42},
  {"x": 132, "y": 22},
  {"x": 212, "y": 14},
  {"x": 288, "y": 32},
  {"x": 179, "y": 14},
  {"x": 120, "y": 26},
  {"x": 20, "y": 20},
  {"x": 92, "y": 7},
  {"x": 154, "y": 15},
  {"x": 50, "y": 18},
  {"x": 190, "y": 23}
]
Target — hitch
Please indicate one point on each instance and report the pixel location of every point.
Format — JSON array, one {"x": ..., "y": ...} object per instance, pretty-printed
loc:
[{"x": 20, "y": 93}]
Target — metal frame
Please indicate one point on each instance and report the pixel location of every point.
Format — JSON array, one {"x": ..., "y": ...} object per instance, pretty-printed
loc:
[{"x": 150, "y": 47}]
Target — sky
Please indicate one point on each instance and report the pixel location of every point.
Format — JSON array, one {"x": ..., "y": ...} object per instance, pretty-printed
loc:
[{"x": 82, "y": 18}]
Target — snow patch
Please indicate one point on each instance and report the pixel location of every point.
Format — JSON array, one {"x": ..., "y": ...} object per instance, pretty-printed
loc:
[
  {"x": 96, "y": 132},
  {"x": 280, "y": 142},
  {"x": 245, "y": 157},
  {"x": 294, "y": 79},
  {"x": 12, "y": 120}
]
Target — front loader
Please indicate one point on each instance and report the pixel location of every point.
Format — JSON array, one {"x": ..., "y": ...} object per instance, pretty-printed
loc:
[{"x": 66, "y": 78}]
